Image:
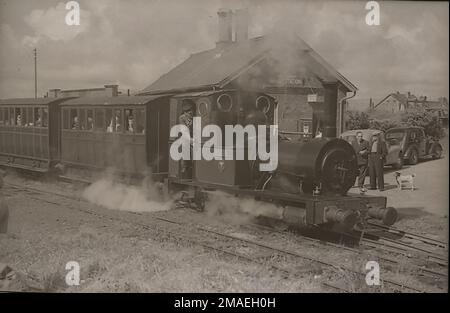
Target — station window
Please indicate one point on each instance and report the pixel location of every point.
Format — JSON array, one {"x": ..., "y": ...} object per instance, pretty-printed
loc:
[
  {"x": 90, "y": 119},
  {"x": 305, "y": 127},
  {"x": 99, "y": 120},
  {"x": 66, "y": 119}
]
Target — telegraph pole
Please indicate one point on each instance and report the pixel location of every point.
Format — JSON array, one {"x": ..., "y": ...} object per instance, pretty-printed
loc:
[{"x": 35, "y": 73}]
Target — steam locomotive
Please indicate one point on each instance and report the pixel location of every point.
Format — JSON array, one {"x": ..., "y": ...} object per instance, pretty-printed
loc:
[{"x": 79, "y": 136}]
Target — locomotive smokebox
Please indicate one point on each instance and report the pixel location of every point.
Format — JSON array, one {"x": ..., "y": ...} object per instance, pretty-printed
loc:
[{"x": 327, "y": 164}]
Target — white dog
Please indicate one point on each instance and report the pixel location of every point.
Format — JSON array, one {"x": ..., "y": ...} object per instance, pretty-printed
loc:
[{"x": 404, "y": 179}]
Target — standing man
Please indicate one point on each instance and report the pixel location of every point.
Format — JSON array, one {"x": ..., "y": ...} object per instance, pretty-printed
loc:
[
  {"x": 361, "y": 148},
  {"x": 378, "y": 152}
]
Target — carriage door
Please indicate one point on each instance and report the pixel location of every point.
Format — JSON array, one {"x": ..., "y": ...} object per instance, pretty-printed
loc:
[{"x": 422, "y": 143}]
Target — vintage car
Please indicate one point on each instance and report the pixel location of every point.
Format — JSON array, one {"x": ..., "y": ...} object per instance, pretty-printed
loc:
[
  {"x": 414, "y": 144},
  {"x": 394, "y": 157}
]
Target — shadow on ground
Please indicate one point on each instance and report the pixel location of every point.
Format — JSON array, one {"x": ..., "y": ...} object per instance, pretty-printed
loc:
[{"x": 411, "y": 213}]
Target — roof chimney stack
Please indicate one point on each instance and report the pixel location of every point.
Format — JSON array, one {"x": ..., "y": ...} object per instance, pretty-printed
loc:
[
  {"x": 241, "y": 24},
  {"x": 225, "y": 27}
]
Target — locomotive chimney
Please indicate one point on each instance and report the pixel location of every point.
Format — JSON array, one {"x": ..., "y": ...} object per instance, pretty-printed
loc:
[
  {"x": 225, "y": 27},
  {"x": 241, "y": 24}
]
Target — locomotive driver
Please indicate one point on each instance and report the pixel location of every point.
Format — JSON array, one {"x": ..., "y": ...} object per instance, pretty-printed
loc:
[{"x": 187, "y": 118}]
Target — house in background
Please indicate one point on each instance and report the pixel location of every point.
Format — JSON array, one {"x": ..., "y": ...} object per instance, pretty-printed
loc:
[
  {"x": 310, "y": 92},
  {"x": 439, "y": 108},
  {"x": 396, "y": 102}
]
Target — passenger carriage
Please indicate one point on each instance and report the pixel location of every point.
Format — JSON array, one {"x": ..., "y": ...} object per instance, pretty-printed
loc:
[
  {"x": 29, "y": 133},
  {"x": 122, "y": 132}
]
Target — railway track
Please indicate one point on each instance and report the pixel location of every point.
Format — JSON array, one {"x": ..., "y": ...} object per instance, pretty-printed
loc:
[{"x": 213, "y": 236}]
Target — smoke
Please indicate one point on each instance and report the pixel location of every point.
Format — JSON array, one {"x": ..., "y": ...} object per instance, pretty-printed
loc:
[
  {"x": 109, "y": 193},
  {"x": 238, "y": 210}
]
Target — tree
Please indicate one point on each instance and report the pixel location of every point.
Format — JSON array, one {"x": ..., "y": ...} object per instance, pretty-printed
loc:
[
  {"x": 357, "y": 120},
  {"x": 426, "y": 119}
]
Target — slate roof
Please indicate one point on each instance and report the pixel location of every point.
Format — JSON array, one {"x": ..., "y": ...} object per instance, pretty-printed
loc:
[
  {"x": 119, "y": 100},
  {"x": 219, "y": 66},
  {"x": 30, "y": 101}
]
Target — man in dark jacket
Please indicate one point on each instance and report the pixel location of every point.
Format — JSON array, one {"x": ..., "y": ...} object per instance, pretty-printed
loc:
[
  {"x": 361, "y": 147},
  {"x": 377, "y": 156}
]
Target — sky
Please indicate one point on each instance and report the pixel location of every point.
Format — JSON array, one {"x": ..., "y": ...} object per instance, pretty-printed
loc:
[{"x": 133, "y": 42}]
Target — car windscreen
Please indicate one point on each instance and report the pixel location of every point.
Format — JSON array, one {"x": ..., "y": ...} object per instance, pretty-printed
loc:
[{"x": 395, "y": 135}]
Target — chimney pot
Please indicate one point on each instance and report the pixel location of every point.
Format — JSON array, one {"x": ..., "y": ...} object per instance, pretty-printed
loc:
[{"x": 225, "y": 26}]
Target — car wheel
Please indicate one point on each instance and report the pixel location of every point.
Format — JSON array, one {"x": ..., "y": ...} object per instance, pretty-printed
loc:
[
  {"x": 413, "y": 157},
  {"x": 399, "y": 164},
  {"x": 437, "y": 153}
]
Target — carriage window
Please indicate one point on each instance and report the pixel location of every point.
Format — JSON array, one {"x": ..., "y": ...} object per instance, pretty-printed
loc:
[
  {"x": 30, "y": 119},
  {"x": 37, "y": 117},
  {"x": 74, "y": 119},
  {"x": 65, "y": 118},
  {"x": 140, "y": 121},
  {"x": 44, "y": 117},
  {"x": 6, "y": 117},
  {"x": 129, "y": 121},
  {"x": 12, "y": 117},
  {"x": 82, "y": 119},
  {"x": 23, "y": 118},
  {"x": 18, "y": 117},
  {"x": 1, "y": 117},
  {"x": 118, "y": 120},
  {"x": 99, "y": 119},
  {"x": 109, "y": 121},
  {"x": 90, "y": 120}
]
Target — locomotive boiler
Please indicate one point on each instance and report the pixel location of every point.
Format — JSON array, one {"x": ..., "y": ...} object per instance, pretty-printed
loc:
[{"x": 322, "y": 166}]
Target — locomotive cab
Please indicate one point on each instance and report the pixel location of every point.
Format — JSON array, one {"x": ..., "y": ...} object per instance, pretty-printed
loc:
[{"x": 223, "y": 109}]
